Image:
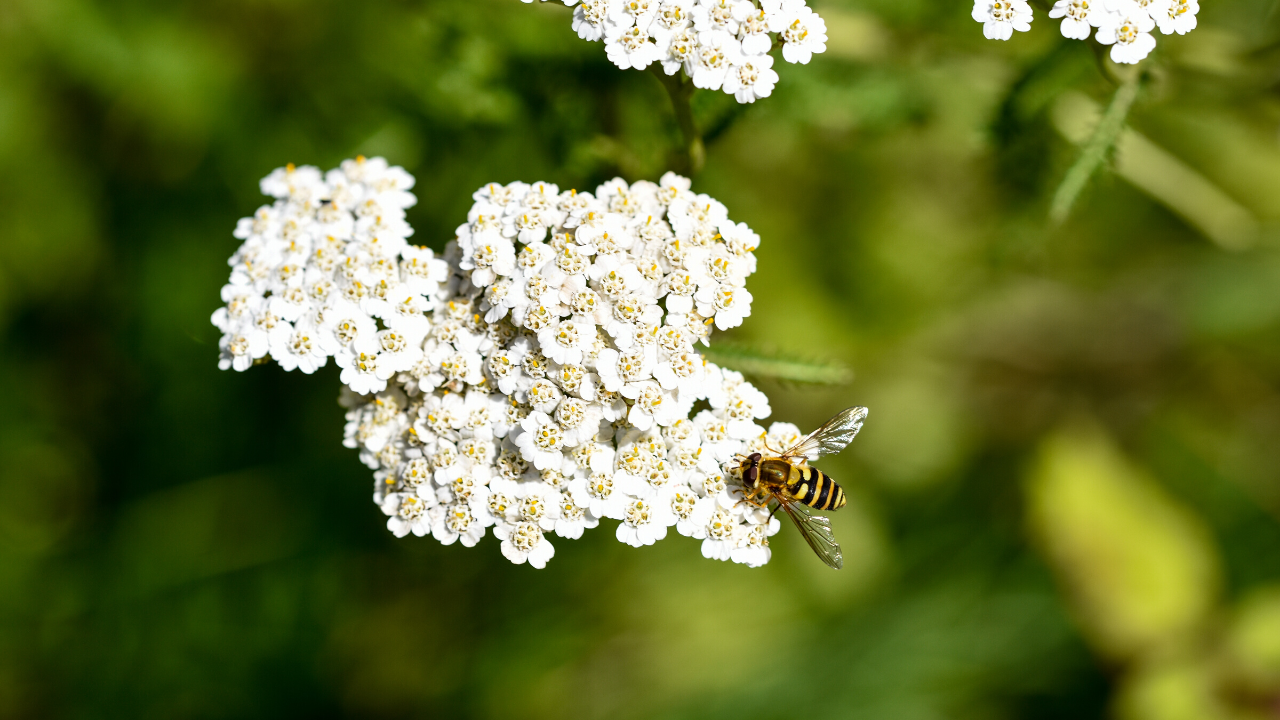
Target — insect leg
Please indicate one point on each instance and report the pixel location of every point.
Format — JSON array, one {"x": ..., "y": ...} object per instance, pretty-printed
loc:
[{"x": 750, "y": 498}]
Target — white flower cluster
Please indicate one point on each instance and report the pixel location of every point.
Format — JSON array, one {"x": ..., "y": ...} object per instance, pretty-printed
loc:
[
  {"x": 1125, "y": 25},
  {"x": 540, "y": 376},
  {"x": 720, "y": 44}
]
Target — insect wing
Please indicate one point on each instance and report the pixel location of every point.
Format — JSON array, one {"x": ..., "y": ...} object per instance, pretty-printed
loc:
[
  {"x": 832, "y": 437},
  {"x": 816, "y": 531}
]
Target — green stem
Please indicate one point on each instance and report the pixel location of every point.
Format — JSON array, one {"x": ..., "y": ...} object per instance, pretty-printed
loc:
[
  {"x": 1095, "y": 148},
  {"x": 1100, "y": 54},
  {"x": 680, "y": 89}
]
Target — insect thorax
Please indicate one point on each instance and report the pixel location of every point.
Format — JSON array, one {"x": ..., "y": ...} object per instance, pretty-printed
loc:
[{"x": 775, "y": 472}]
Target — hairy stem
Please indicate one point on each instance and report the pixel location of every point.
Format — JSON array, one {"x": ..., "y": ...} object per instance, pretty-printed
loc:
[
  {"x": 1095, "y": 149},
  {"x": 680, "y": 89}
]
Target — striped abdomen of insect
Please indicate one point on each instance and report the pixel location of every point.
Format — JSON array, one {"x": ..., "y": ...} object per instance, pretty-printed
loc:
[
  {"x": 805, "y": 484},
  {"x": 815, "y": 488}
]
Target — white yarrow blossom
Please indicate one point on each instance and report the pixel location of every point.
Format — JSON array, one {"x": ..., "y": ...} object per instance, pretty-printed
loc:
[
  {"x": 590, "y": 19},
  {"x": 719, "y": 44},
  {"x": 712, "y": 61},
  {"x": 541, "y": 373},
  {"x": 1000, "y": 18},
  {"x": 630, "y": 47},
  {"x": 1079, "y": 17},
  {"x": 1127, "y": 29},
  {"x": 1125, "y": 25},
  {"x": 803, "y": 33},
  {"x": 1177, "y": 16},
  {"x": 751, "y": 77}
]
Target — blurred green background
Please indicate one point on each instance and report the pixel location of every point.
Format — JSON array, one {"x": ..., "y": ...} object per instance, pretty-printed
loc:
[{"x": 1065, "y": 503}]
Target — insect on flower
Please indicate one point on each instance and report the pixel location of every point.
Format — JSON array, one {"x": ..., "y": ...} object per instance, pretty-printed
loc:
[{"x": 788, "y": 479}]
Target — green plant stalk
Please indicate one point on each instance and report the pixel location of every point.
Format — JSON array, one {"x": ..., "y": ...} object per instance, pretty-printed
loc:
[
  {"x": 1100, "y": 54},
  {"x": 681, "y": 90},
  {"x": 1095, "y": 150}
]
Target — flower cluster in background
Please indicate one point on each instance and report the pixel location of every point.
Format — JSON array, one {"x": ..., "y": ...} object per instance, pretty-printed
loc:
[
  {"x": 1125, "y": 25},
  {"x": 719, "y": 44},
  {"x": 538, "y": 377}
]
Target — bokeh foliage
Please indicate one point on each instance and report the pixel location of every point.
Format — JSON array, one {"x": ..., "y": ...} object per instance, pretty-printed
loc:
[{"x": 1065, "y": 503}]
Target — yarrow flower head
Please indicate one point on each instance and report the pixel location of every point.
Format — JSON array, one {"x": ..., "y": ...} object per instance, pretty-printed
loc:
[
  {"x": 542, "y": 373},
  {"x": 1127, "y": 29},
  {"x": 719, "y": 44},
  {"x": 1000, "y": 18},
  {"x": 1125, "y": 25}
]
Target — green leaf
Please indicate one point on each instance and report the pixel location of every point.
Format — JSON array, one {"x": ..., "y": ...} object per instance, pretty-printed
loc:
[{"x": 763, "y": 363}]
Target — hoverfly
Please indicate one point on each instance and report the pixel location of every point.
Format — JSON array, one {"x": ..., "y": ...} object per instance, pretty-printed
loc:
[{"x": 797, "y": 487}]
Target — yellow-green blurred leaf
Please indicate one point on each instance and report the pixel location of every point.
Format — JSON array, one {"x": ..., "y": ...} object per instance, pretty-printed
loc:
[
  {"x": 1253, "y": 639},
  {"x": 1140, "y": 568},
  {"x": 1178, "y": 689}
]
